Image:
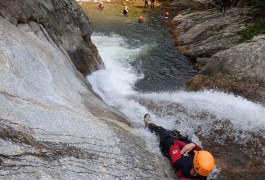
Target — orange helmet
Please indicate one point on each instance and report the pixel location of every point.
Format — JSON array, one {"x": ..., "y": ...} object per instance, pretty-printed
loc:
[
  {"x": 167, "y": 13},
  {"x": 141, "y": 17},
  {"x": 203, "y": 163}
]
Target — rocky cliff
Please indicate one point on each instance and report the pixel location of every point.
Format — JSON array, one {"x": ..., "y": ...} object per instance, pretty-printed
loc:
[
  {"x": 51, "y": 125},
  {"x": 213, "y": 42},
  {"x": 239, "y": 69},
  {"x": 64, "y": 21},
  {"x": 202, "y": 33}
]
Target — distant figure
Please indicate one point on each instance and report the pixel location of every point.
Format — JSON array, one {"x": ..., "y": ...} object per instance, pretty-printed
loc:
[
  {"x": 224, "y": 5},
  {"x": 230, "y": 3},
  {"x": 140, "y": 20},
  {"x": 125, "y": 11},
  {"x": 146, "y": 4},
  {"x": 100, "y": 6},
  {"x": 152, "y": 3},
  {"x": 165, "y": 15}
]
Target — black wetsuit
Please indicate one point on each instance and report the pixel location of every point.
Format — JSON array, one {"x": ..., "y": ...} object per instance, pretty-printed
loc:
[{"x": 171, "y": 143}]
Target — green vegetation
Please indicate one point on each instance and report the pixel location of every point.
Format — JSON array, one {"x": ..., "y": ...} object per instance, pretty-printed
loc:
[{"x": 254, "y": 30}]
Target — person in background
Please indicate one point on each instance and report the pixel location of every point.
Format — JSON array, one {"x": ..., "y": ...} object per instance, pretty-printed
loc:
[
  {"x": 125, "y": 11},
  {"x": 224, "y": 6},
  {"x": 187, "y": 158},
  {"x": 165, "y": 15},
  {"x": 152, "y": 3},
  {"x": 230, "y": 3},
  {"x": 145, "y": 3},
  {"x": 100, "y": 6},
  {"x": 140, "y": 20}
]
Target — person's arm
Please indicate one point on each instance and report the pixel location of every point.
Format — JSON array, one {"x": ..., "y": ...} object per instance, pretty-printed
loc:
[
  {"x": 190, "y": 147},
  {"x": 180, "y": 144},
  {"x": 197, "y": 148}
]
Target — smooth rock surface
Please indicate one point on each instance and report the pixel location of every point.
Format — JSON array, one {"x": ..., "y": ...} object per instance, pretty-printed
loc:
[{"x": 52, "y": 126}]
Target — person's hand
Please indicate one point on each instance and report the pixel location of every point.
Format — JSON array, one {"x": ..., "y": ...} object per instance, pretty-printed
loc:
[{"x": 187, "y": 148}]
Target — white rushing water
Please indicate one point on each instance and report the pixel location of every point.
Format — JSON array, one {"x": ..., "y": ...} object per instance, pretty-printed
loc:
[{"x": 193, "y": 111}]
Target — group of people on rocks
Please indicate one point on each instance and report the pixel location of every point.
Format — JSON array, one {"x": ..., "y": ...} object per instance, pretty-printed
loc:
[
  {"x": 224, "y": 5},
  {"x": 140, "y": 20}
]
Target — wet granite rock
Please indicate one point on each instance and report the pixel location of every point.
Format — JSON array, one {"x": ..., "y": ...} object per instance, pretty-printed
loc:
[
  {"x": 51, "y": 124},
  {"x": 65, "y": 22},
  {"x": 201, "y": 34},
  {"x": 239, "y": 70},
  {"x": 192, "y": 4},
  {"x": 212, "y": 41}
]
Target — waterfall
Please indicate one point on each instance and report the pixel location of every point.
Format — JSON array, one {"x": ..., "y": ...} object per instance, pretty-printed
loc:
[{"x": 192, "y": 113}]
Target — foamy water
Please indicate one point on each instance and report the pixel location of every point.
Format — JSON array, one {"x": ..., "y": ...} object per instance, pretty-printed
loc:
[
  {"x": 115, "y": 85},
  {"x": 178, "y": 110}
]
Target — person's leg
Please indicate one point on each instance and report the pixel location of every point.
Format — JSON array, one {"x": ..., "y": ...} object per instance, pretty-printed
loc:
[
  {"x": 165, "y": 139},
  {"x": 162, "y": 132},
  {"x": 164, "y": 135},
  {"x": 221, "y": 8},
  {"x": 225, "y": 6}
]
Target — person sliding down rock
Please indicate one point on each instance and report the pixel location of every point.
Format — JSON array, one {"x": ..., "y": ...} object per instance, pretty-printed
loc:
[{"x": 187, "y": 158}]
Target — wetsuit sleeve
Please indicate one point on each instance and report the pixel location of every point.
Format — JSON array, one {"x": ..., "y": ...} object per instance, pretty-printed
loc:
[
  {"x": 197, "y": 148},
  {"x": 175, "y": 153},
  {"x": 180, "y": 144},
  {"x": 175, "y": 149}
]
